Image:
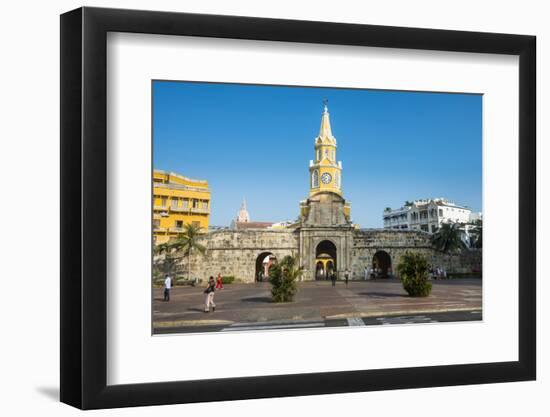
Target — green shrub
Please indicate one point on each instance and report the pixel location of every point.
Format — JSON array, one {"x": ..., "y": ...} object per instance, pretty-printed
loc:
[
  {"x": 413, "y": 270},
  {"x": 283, "y": 278},
  {"x": 228, "y": 279}
]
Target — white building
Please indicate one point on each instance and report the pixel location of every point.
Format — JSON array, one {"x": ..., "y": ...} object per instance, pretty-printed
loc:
[{"x": 426, "y": 215}]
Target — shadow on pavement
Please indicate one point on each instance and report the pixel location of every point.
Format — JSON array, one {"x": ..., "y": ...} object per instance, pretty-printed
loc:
[
  {"x": 382, "y": 294},
  {"x": 257, "y": 300}
]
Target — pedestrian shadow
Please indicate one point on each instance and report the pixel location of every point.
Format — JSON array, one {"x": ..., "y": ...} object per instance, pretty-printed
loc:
[
  {"x": 195, "y": 309},
  {"x": 257, "y": 300},
  {"x": 382, "y": 294}
]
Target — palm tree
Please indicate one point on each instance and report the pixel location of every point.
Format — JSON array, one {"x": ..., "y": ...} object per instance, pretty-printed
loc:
[
  {"x": 477, "y": 235},
  {"x": 448, "y": 238},
  {"x": 189, "y": 242},
  {"x": 162, "y": 248},
  {"x": 167, "y": 263}
]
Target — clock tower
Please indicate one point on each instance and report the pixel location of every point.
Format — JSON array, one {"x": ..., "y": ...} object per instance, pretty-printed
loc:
[
  {"x": 325, "y": 205},
  {"x": 326, "y": 229},
  {"x": 325, "y": 172}
]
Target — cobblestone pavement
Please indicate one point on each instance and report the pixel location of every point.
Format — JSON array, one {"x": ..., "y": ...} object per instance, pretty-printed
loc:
[{"x": 317, "y": 304}]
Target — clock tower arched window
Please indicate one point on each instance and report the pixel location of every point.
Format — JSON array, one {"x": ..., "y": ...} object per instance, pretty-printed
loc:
[{"x": 315, "y": 179}]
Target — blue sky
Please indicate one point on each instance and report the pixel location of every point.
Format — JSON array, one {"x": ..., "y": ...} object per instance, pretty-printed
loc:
[{"x": 256, "y": 141}]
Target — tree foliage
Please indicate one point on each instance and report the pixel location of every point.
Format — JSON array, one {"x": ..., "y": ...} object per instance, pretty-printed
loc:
[
  {"x": 188, "y": 242},
  {"x": 166, "y": 264},
  {"x": 283, "y": 277},
  {"x": 448, "y": 238},
  {"x": 413, "y": 270},
  {"x": 476, "y": 239}
]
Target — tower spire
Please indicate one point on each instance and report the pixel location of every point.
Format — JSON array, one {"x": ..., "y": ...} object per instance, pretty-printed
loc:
[
  {"x": 325, "y": 132},
  {"x": 243, "y": 216}
]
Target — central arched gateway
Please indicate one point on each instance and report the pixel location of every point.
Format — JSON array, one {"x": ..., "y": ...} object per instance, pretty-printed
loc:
[
  {"x": 325, "y": 260},
  {"x": 381, "y": 264},
  {"x": 264, "y": 261}
]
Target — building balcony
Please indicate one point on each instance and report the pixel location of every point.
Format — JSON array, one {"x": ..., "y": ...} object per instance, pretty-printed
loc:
[
  {"x": 160, "y": 208},
  {"x": 175, "y": 229},
  {"x": 200, "y": 210},
  {"x": 190, "y": 210},
  {"x": 158, "y": 229},
  {"x": 179, "y": 209}
]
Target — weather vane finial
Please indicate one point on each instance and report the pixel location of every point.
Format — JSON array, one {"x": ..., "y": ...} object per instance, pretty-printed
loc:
[{"x": 325, "y": 102}]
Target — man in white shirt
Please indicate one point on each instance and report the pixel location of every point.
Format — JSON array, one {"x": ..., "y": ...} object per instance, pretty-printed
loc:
[{"x": 167, "y": 286}]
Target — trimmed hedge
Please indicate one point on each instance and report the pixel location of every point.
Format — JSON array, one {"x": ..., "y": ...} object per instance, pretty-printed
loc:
[
  {"x": 228, "y": 279},
  {"x": 413, "y": 271},
  {"x": 283, "y": 278}
]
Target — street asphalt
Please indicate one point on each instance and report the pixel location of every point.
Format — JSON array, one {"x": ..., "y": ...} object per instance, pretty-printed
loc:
[
  {"x": 451, "y": 316},
  {"x": 242, "y": 307}
]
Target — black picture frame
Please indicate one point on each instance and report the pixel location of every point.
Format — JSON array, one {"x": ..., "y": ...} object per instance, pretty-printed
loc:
[{"x": 84, "y": 207}]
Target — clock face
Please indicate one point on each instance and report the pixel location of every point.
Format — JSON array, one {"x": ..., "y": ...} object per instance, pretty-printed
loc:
[{"x": 326, "y": 178}]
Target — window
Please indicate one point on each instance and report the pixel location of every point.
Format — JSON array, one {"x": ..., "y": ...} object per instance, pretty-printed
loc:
[
  {"x": 440, "y": 212},
  {"x": 156, "y": 223},
  {"x": 315, "y": 179},
  {"x": 163, "y": 201},
  {"x": 333, "y": 154},
  {"x": 318, "y": 154},
  {"x": 179, "y": 224},
  {"x": 196, "y": 224},
  {"x": 205, "y": 205},
  {"x": 185, "y": 203},
  {"x": 337, "y": 179},
  {"x": 326, "y": 153},
  {"x": 175, "y": 203}
]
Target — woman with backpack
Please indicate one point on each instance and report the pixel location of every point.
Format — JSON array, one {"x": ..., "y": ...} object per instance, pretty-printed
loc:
[{"x": 209, "y": 300}]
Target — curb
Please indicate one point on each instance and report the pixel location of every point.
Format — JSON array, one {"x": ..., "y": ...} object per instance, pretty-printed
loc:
[
  {"x": 402, "y": 312},
  {"x": 190, "y": 323}
]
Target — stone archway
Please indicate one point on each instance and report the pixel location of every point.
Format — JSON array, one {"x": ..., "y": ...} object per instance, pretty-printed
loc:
[
  {"x": 325, "y": 259},
  {"x": 381, "y": 264},
  {"x": 264, "y": 261}
]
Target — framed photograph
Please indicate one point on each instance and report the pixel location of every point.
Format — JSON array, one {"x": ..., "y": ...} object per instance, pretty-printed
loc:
[{"x": 257, "y": 208}]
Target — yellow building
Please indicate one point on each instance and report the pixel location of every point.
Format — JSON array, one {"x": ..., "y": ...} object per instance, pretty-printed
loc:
[{"x": 178, "y": 200}]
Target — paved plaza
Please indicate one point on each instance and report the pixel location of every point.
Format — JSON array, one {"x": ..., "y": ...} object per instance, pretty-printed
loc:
[{"x": 317, "y": 304}]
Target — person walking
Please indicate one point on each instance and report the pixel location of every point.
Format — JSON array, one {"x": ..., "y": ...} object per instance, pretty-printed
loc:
[
  {"x": 346, "y": 276},
  {"x": 333, "y": 278},
  {"x": 219, "y": 283},
  {"x": 167, "y": 287},
  {"x": 209, "y": 300}
]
